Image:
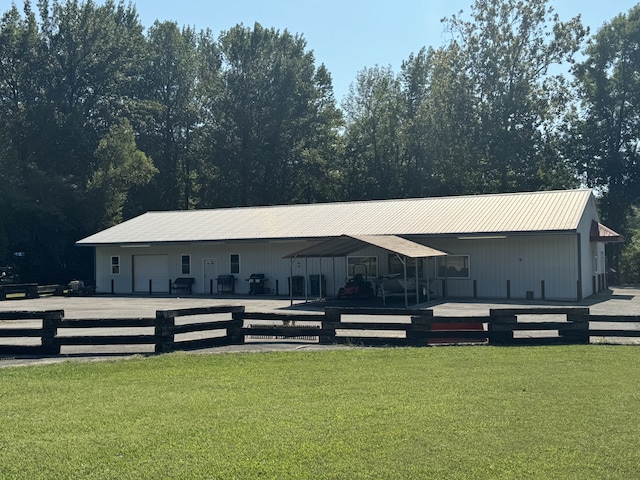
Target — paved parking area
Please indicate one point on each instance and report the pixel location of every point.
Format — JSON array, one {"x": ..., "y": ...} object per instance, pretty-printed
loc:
[{"x": 621, "y": 301}]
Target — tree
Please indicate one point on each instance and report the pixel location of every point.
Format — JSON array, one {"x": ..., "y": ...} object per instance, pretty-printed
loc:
[
  {"x": 121, "y": 166},
  {"x": 272, "y": 122},
  {"x": 18, "y": 92},
  {"x": 605, "y": 130},
  {"x": 169, "y": 88},
  {"x": 63, "y": 81},
  {"x": 374, "y": 157},
  {"x": 508, "y": 48},
  {"x": 629, "y": 264},
  {"x": 441, "y": 128}
]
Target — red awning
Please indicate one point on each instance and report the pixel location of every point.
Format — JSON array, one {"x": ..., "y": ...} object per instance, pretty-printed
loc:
[{"x": 603, "y": 234}]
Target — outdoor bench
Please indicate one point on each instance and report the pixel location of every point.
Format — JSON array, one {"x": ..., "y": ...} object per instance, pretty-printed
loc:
[{"x": 183, "y": 284}]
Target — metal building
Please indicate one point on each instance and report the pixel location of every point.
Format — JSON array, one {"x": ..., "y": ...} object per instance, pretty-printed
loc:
[{"x": 540, "y": 245}]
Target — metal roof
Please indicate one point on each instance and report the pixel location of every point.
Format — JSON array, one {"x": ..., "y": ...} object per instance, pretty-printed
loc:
[
  {"x": 602, "y": 233},
  {"x": 346, "y": 244},
  {"x": 463, "y": 215}
]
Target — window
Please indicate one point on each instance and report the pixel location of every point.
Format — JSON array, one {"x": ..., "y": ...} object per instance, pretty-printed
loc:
[
  {"x": 235, "y": 262},
  {"x": 365, "y": 266},
  {"x": 186, "y": 264},
  {"x": 452, "y": 266},
  {"x": 395, "y": 266},
  {"x": 115, "y": 265}
]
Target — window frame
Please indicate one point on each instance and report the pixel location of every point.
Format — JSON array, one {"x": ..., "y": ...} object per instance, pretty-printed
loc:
[
  {"x": 444, "y": 262},
  {"x": 183, "y": 270},
  {"x": 233, "y": 263},
  {"x": 115, "y": 267}
]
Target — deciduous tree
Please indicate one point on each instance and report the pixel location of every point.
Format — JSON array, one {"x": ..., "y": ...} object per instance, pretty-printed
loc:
[{"x": 605, "y": 132}]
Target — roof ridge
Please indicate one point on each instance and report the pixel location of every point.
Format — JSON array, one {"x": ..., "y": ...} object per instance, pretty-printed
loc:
[{"x": 371, "y": 201}]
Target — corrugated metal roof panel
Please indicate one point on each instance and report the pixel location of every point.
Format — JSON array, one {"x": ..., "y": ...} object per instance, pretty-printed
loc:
[
  {"x": 346, "y": 244},
  {"x": 499, "y": 213}
]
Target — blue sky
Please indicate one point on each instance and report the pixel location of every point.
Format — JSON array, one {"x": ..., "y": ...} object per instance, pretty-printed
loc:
[{"x": 348, "y": 35}]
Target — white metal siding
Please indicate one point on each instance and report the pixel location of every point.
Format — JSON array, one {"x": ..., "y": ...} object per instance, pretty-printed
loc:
[{"x": 525, "y": 261}]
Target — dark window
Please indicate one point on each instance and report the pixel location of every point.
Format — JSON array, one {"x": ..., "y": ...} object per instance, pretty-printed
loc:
[
  {"x": 235, "y": 263},
  {"x": 452, "y": 266},
  {"x": 186, "y": 264},
  {"x": 115, "y": 265}
]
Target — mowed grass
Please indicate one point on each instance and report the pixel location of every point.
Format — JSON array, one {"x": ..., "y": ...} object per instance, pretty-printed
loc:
[{"x": 397, "y": 413}]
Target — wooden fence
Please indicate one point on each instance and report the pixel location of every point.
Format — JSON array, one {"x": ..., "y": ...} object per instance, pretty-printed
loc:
[{"x": 45, "y": 333}]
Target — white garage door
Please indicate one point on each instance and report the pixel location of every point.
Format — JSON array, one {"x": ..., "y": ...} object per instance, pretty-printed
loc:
[{"x": 154, "y": 268}]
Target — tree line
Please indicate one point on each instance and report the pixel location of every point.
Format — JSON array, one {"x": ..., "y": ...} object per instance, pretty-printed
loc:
[{"x": 102, "y": 119}]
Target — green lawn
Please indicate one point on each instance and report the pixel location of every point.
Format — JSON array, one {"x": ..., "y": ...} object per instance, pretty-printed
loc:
[{"x": 398, "y": 413}]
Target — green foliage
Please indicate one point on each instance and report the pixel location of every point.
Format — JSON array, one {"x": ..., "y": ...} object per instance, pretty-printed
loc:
[
  {"x": 604, "y": 132},
  {"x": 482, "y": 413},
  {"x": 273, "y": 122},
  {"x": 374, "y": 160},
  {"x": 505, "y": 52},
  {"x": 248, "y": 118},
  {"x": 121, "y": 166},
  {"x": 630, "y": 256},
  {"x": 169, "y": 87}
]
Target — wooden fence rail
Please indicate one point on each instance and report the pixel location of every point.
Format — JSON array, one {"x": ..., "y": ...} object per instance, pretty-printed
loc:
[{"x": 44, "y": 333}]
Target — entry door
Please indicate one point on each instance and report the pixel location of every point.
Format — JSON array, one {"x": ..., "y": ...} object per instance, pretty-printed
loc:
[{"x": 210, "y": 275}]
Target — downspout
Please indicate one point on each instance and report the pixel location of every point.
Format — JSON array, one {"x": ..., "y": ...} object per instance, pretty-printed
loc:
[{"x": 579, "y": 289}]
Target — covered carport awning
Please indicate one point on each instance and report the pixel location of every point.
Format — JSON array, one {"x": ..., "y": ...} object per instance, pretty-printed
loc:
[{"x": 345, "y": 244}]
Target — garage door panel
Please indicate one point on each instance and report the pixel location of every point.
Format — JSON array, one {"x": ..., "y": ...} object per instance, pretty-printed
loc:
[{"x": 154, "y": 268}]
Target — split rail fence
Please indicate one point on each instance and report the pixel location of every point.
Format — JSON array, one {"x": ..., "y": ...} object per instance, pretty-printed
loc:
[{"x": 46, "y": 332}]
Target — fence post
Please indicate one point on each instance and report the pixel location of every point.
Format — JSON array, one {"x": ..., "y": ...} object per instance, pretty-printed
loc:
[
  {"x": 331, "y": 320},
  {"x": 235, "y": 333},
  {"x": 580, "y": 318},
  {"x": 419, "y": 329},
  {"x": 165, "y": 338},
  {"x": 501, "y": 327},
  {"x": 50, "y": 321}
]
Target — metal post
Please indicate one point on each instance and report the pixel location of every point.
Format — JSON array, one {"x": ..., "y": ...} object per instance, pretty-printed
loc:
[
  {"x": 417, "y": 285},
  {"x": 320, "y": 280},
  {"x": 406, "y": 293},
  {"x": 306, "y": 279}
]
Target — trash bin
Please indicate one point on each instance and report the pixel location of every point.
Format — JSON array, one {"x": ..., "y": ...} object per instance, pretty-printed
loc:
[
  {"x": 314, "y": 284},
  {"x": 296, "y": 285}
]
